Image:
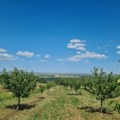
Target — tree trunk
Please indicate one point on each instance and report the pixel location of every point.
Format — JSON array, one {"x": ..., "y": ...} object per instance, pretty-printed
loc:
[
  {"x": 76, "y": 91},
  {"x": 101, "y": 105},
  {"x": 18, "y": 105}
]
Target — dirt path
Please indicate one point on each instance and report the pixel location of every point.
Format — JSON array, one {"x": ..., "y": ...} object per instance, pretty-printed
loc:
[{"x": 14, "y": 112}]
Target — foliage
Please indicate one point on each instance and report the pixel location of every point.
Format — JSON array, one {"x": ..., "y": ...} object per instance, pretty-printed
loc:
[
  {"x": 5, "y": 76},
  {"x": 115, "y": 105},
  {"x": 105, "y": 86},
  {"x": 41, "y": 80},
  {"x": 19, "y": 82},
  {"x": 50, "y": 85},
  {"x": 73, "y": 83},
  {"x": 0, "y": 79},
  {"x": 42, "y": 88},
  {"x": 76, "y": 84},
  {"x": 87, "y": 84}
]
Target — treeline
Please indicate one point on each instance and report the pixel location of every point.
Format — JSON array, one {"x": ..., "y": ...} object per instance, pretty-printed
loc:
[
  {"x": 21, "y": 83},
  {"x": 102, "y": 85},
  {"x": 45, "y": 80}
]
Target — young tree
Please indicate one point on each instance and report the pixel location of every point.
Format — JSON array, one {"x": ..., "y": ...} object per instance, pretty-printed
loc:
[
  {"x": 19, "y": 82},
  {"x": 87, "y": 84},
  {"x": 42, "y": 89},
  {"x": 0, "y": 79},
  {"x": 116, "y": 103},
  {"x": 70, "y": 83},
  {"x": 105, "y": 86},
  {"x": 76, "y": 85},
  {"x": 50, "y": 85},
  {"x": 5, "y": 76}
]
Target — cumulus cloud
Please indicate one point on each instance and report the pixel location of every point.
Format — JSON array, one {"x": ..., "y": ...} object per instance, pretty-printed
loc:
[
  {"x": 118, "y": 52},
  {"x": 47, "y": 56},
  {"x": 25, "y": 54},
  {"x": 118, "y": 47},
  {"x": 78, "y": 52},
  {"x": 5, "y": 56},
  {"x": 76, "y": 44},
  {"x": 81, "y": 52},
  {"x": 85, "y": 55},
  {"x": 77, "y": 41},
  {"x": 81, "y": 48},
  {"x": 3, "y": 50}
]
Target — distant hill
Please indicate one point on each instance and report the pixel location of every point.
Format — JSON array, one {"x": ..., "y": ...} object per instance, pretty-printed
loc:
[{"x": 58, "y": 75}]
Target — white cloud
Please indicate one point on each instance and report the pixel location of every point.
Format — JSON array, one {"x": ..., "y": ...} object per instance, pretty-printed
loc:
[
  {"x": 78, "y": 52},
  {"x": 76, "y": 41},
  {"x": 86, "y": 55},
  {"x": 76, "y": 44},
  {"x": 118, "y": 47},
  {"x": 81, "y": 48},
  {"x": 118, "y": 52},
  {"x": 2, "y": 50},
  {"x": 25, "y": 54},
  {"x": 5, "y": 56},
  {"x": 82, "y": 52},
  {"x": 47, "y": 56}
]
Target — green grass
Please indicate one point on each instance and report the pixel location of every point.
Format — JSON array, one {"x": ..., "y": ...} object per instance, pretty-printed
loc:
[
  {"x": 6, "y": 96},
  {"x": 59, "y": 105}
]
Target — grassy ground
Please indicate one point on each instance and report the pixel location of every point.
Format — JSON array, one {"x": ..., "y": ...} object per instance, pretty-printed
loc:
[{"x": 58, "y": 103}]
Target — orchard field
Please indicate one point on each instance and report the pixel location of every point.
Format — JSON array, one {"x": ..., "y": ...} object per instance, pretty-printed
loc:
[{"x": 61, "y": 99}]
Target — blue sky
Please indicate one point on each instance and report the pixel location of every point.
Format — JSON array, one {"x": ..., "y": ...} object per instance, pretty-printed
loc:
[{"x": 66, "y": 36}]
